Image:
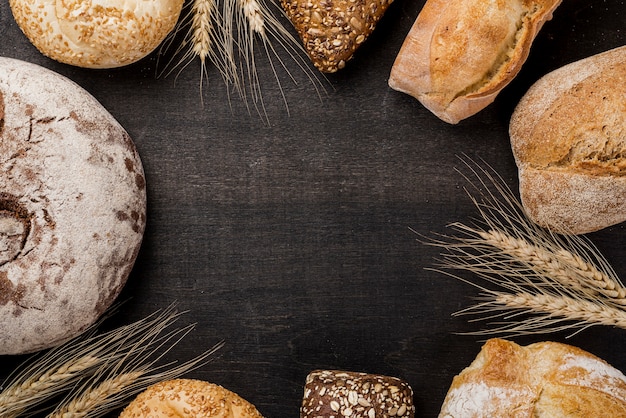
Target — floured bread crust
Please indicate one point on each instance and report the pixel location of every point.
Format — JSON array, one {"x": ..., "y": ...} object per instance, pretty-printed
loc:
[
  {"x": 96, "y": 33},
  {"x": 568, "y": 135},
  {"x": 72, "y": 208},
  {"x": 460, "y": 54},
  {"x": 541, "y": 380},
  {"x": 189, "y": 398}
]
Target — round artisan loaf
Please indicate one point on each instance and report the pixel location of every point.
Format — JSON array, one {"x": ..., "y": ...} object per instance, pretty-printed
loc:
[
  {"x": 568, "y": 135},
  {"x": 96, "y": 33},
  {"x": 72, "y": 208},
  {"x": 189, "y": 398},
  {"x": 541, "y": 380}
]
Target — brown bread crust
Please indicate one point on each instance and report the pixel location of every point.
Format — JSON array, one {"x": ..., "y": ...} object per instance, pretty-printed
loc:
[
  {"x": 460, "y": 54},
  {"x": 541, "y": 380},
  {"x": 568, "y": 135}
]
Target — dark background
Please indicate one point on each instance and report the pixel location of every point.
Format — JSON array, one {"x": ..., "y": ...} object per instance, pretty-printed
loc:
[{"x": 292, "y": 240}]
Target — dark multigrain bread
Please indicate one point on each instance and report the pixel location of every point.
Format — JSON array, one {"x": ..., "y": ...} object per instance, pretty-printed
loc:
[
  {"x": 345, "y": 394},
  {"x": 332, "y": 30},
  {"x": 568, "y": 135},
  {"x": 72, "y": 208},
  {"x": 460, "y": 54}
]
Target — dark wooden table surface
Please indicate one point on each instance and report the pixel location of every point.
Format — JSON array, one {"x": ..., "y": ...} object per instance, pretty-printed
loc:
[{"x": 292, "y": 241}]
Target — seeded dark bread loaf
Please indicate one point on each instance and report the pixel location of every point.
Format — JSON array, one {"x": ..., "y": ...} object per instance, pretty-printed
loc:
[
  {"x": 332, "y": 30},
  {"x": 541, "y": 380},
  {"x": 460, "y": 54},
  {"x": 72, "y": 208},
  {"x": 344, "y": 394},
  {"x": 568, "y": 135},
  {"x": 189, "y": 398}
]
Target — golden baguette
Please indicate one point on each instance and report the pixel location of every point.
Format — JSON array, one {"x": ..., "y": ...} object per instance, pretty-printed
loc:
[{"x": 460, "y": 54}]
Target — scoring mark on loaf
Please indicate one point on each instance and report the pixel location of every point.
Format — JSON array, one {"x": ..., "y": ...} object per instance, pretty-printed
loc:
[
  {"x": 10, "y": 292},
  {"x": 15, "y": 226},
  {"x": 1, "y": 113}
]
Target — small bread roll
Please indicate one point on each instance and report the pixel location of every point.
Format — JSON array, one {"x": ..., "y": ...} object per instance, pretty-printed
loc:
[
  {"x": 72, "y": 208},
  {"x": 541, "y": 380},
  {"x": 568, "y": 135},
  {"x": 188, "y": 398},
  {"x": 96, "y": 33},
  {"x": 345, "y": 394},
  {"x": 460, "y": 54}
]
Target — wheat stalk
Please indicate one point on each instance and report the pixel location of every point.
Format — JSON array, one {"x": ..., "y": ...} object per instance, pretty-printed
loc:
[
  {"x": 565, "y": 307},
  {"x": 559, "y": 264},
  {"x": 17, "y": 397},
  {"x": 97, "y": 396},
  {"x": 546, "y": 281},
  {"x": 82, "y": 366},
  {"x": 201, "y": 26},
  {"x": 225, "y": 33},
  {"x": 117, "y": 383},
  {"x": 253, "y": 14}
]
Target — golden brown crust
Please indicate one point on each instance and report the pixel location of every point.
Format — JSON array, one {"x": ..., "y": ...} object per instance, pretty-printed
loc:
[
  {"x": 541, "y": 380},
  {"x": 87, "y": 34},
  {"x": 189, "y": 398},
  {"x": 332, "y": 30},
  {"x": 459, "y": 55},
  {"x": 568, "y": 135}
]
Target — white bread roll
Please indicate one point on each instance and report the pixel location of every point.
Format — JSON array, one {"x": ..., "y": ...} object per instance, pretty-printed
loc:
[
  {"x": 541, "y": 380},
  {"x": 189, "y": 398},
  {"x": 96, "y": 33},
  {"x": 460, "y": 54},
  {"x": 568, "y": 135}
]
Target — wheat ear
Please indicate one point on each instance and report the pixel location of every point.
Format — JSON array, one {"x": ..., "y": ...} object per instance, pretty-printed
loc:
[
  {"x": 255, "y": 23},
  {"x": 225, "y": 33},
  {"x": 202, "y": 39},
  {"x": 560, "y": 265},
  {"x": 96, "y": 396},
  {"x": 18, "y": 397},
  {"x": 85, "y": 361},
  {"x": 546, "y": 281}
]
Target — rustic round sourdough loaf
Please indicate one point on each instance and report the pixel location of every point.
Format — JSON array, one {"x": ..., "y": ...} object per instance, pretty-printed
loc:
[
  {"x": 568, "y": 135},
  {"x": 96, "y": 33},
  {"x": 541, "y": 380},
  {"x": 72, "y": 208},
  {"x": 189, "y": 398}
]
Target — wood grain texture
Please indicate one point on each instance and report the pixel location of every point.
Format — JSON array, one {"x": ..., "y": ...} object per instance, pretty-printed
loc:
[{"x": 292, "y": 241}]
